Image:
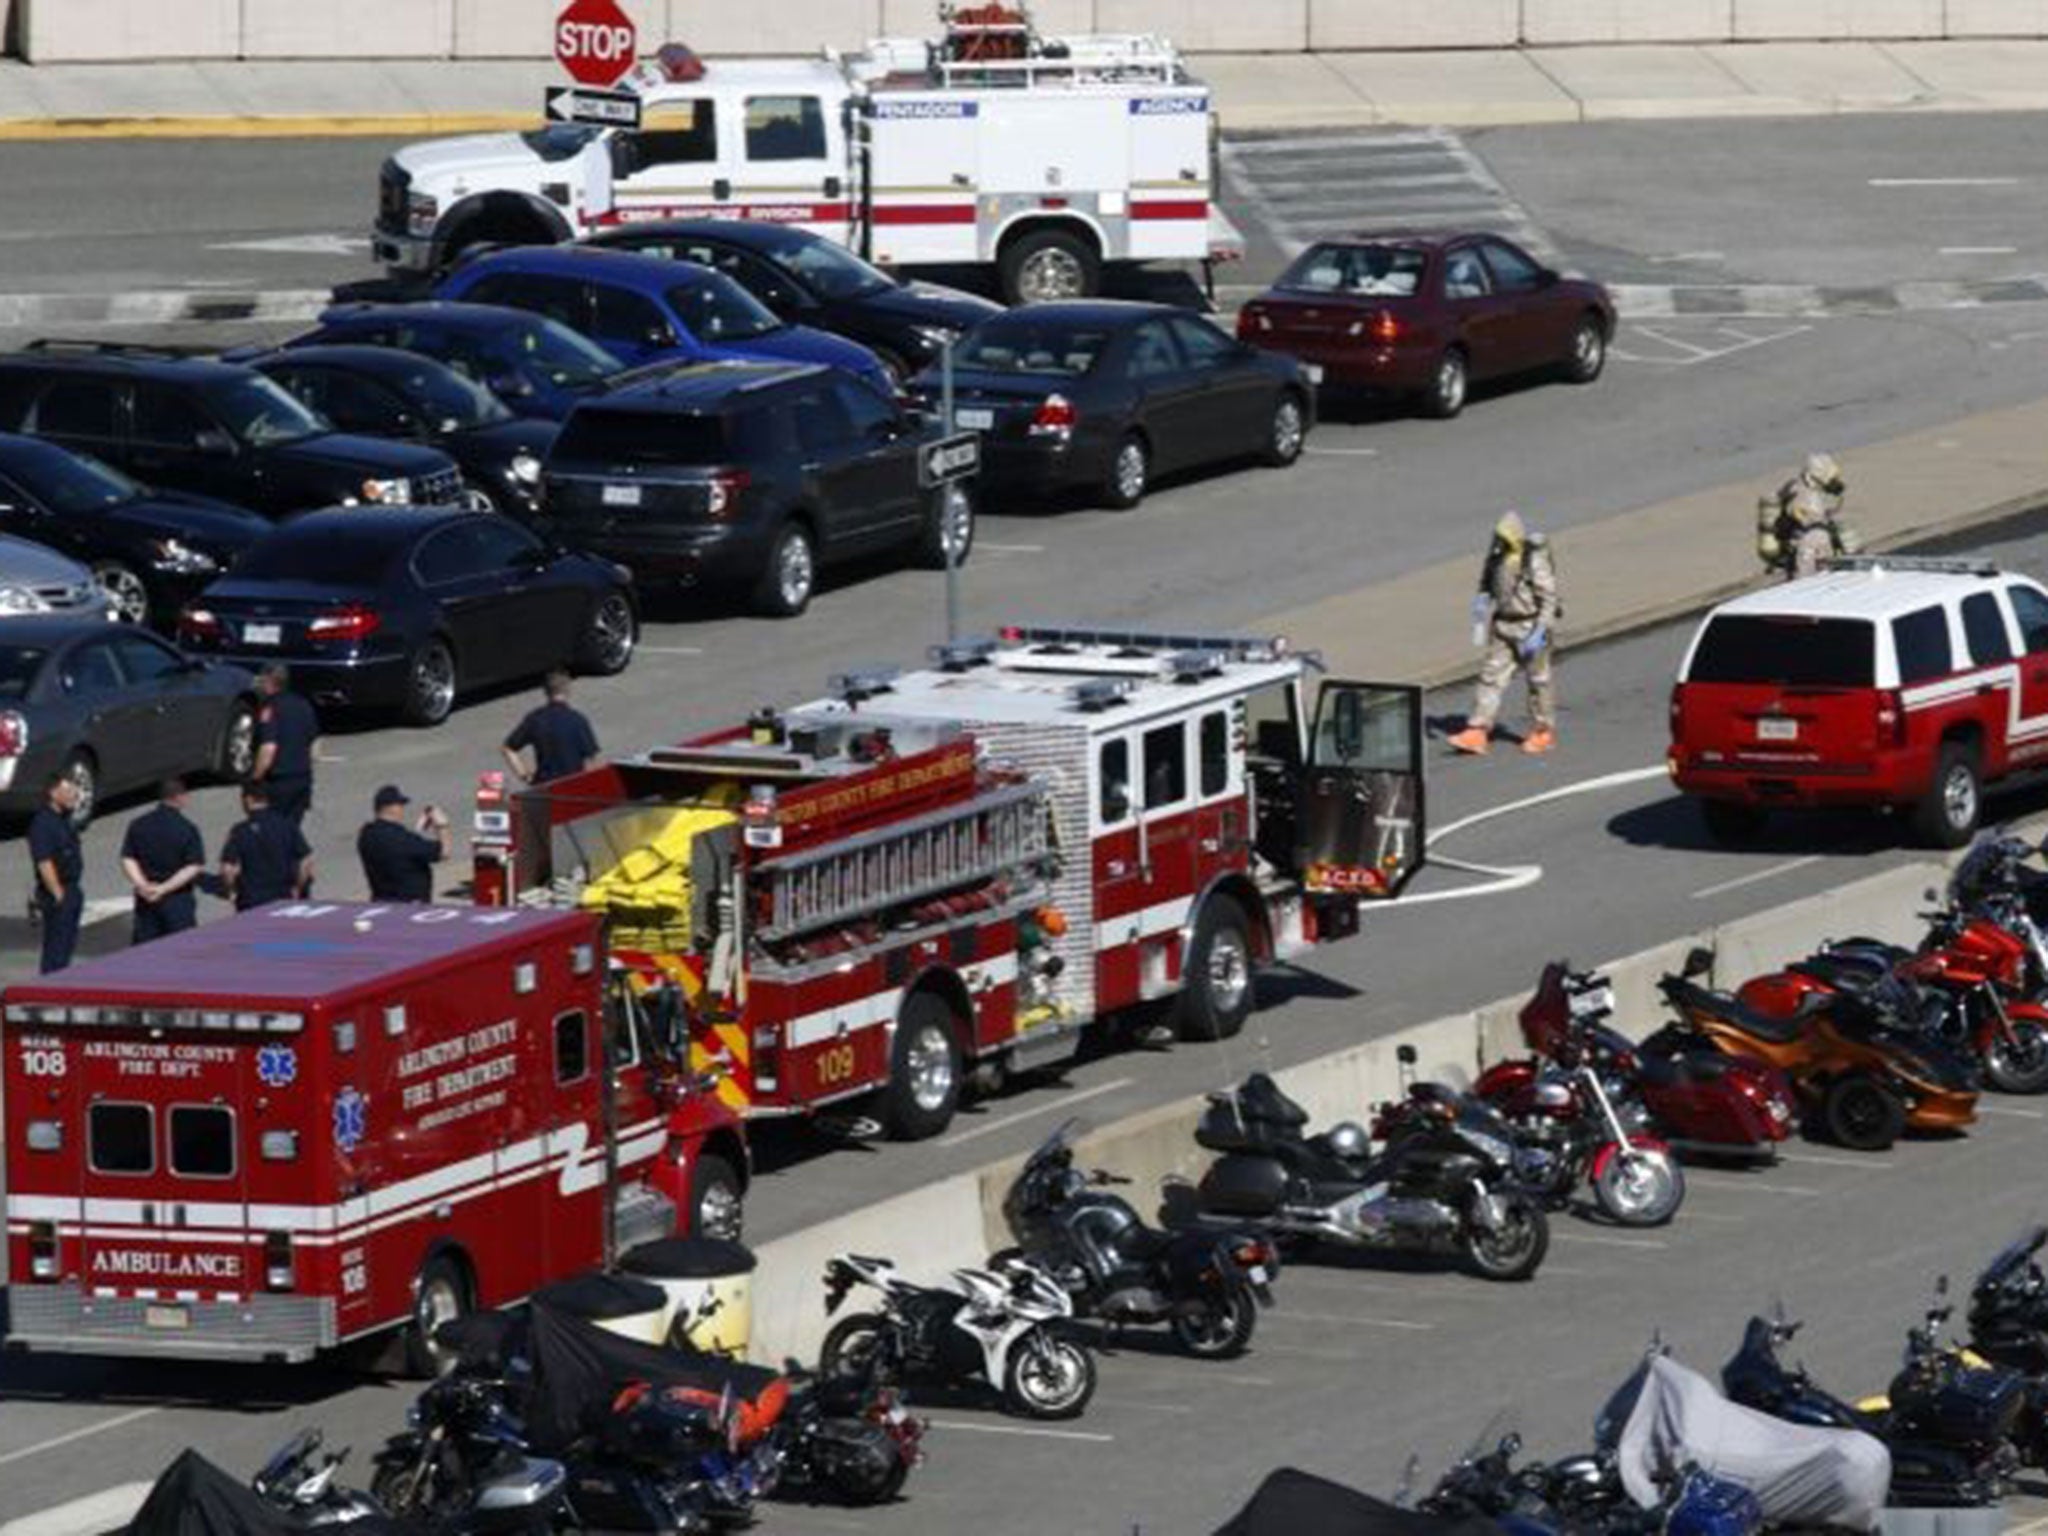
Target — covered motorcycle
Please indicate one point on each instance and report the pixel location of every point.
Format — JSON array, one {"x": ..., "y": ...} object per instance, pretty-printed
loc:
[
  {"x": 193, "y": 1497},
  {"x": 1291, "y": 1502},
  {"x": 1667, "y": 1416}
]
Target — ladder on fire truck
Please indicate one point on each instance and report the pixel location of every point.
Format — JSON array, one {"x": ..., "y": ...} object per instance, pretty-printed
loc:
[
  {"x": 992, "y": 45},
  {"x": 864, "y": 876}
]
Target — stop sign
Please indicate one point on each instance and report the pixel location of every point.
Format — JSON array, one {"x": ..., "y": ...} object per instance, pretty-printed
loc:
[{"x": 595, "y": 41}]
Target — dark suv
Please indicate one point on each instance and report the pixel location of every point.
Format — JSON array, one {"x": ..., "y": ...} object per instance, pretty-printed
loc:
[
  {"x": 750, "y": 473},
  {"x": 209, "y": 428}
]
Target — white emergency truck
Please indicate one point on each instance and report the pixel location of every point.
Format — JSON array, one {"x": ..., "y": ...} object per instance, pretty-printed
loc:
[{"x": 1046, "y": 156}]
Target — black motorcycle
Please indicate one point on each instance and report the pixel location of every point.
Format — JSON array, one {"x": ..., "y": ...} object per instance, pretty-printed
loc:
[
  {"x": 1950, "y": 1427},
  {"x": 506, "y": 1494},
  {"x": 1205, "y": 1285},
  {"x": 2009, "y": 1307},
  {"x": 1448, "y": 1183}
]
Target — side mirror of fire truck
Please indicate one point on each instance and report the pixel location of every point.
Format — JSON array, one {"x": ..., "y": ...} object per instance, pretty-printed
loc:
[{"x": 1348, "y": 726}]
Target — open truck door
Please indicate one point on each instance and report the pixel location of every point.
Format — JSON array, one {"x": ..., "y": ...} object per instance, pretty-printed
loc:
[{"x": 1361, "y": 829}]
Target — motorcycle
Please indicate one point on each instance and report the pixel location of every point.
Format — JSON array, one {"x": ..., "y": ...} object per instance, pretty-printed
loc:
[
  {"x": 1006, "y": 1327},
  {"x": 2008, "y": 1316},
  {"x": 854, "y": 1445},
  {"x": 1858, "y": 1059},
  {"x": 1205, "y": 1286},
  {"x": 1449, "y": 1183},
  {"x": 1950, "y": 1427},
  {"x": 1673, "y": 1085},
  {"x": 1584, "y": 1495}
]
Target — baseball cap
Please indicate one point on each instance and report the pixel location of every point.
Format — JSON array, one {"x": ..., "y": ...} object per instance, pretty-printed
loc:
[{"x": 391, "y": 794}]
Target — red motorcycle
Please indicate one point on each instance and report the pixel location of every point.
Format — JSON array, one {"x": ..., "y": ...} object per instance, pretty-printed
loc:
[{"x": 1694, "y": 1099}]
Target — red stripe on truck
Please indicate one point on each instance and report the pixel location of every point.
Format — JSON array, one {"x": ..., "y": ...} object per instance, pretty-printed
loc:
[
  {"x": 924, "y": 213},
  {"x": 1173, "y": 210}
]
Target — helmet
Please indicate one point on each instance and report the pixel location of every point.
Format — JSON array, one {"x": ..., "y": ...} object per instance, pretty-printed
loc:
[
  {"x": 1822, "y": 470},
  {"x": 1347, "y": 1139},
  {"x": 1510, "y": 530}
]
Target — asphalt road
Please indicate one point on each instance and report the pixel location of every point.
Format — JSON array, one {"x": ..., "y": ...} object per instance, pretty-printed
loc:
[{"x": 1690, "y": 401}]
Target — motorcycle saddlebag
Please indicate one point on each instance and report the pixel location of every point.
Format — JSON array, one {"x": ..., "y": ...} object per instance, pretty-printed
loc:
[{"x": 1244, "y": 1186}]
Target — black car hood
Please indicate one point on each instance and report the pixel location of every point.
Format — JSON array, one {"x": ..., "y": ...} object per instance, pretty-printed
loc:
[
  {"x": 928, "y": 304},
  {"x": 503, "y": 439},
  {"x": 209, "y": 525},
  {"x": 372, "y": 457}
]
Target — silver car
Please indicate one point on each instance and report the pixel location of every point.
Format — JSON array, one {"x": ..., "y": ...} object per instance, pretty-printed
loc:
[{"x": 35, "y": 579}]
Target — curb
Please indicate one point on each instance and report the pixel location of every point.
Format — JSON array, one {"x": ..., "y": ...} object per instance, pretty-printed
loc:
[{"x": 258, "y": 126}]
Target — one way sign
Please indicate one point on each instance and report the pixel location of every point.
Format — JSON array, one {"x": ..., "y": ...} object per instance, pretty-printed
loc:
[{"x": 580, "y": 104}]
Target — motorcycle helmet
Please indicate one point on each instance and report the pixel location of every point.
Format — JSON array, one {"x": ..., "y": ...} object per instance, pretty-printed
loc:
[{"x": 1348, "y": 1140}]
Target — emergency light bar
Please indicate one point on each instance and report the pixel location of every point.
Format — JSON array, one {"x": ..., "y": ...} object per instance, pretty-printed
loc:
[
  {"x": 1191, "y": 666},
  {"x": 960, "y": 655},
  {"x": 1228, "y": 647},
  {"x": 156, "y": 1018},
  {"x": 1099, "y": 693},
  {"x": 1944, "y": 565},
  {"x": 852, "y": 687}
]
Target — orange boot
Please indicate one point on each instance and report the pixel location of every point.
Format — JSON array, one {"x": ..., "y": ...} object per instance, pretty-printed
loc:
[
  {"x": 1537, "y": 742},
  {"x": 1474, "y": 739}
]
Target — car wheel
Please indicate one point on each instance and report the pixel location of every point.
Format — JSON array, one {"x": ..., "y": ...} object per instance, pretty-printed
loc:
[
  {"x": 125, "y": 589},
  {"x": 1130, "y": 469},
  {"x": 791, "y": 575},
  {"x": 1588, "y": 355},
  {"x": 430, "y": 684},
  {"x": 83, "y": 769},
  {"x": 1946, "y": 816},
  {"x": 1288, "y": 433},
  {"x": 1448, "y": 385},
  {"x": 608, "y": 637},
  {"x": 948, "y": 528},
  {"x": 236, "y": 755},
  {"x": 1048, "y": 264}
]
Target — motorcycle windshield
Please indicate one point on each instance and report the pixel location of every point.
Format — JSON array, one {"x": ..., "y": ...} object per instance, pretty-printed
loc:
[
  {"x": 1485, "y": 1130},
  {"x": 2011, "y": 1257}
]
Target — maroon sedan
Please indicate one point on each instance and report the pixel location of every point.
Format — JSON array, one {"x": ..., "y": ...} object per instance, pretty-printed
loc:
[{"x": 1427, "y": 316}]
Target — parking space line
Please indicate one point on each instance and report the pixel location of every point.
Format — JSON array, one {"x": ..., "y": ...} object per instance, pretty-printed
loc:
[
  {"x": 1360, "y": 1322},
  {"x": 108, "y": 1510},
  {"x": 672, "y": 650},
  {"x": 1020, "y": 1429},
  {"x": 1825, "y": 1161},
  {"x": 1944, "y": 181},
  {"x": 1755, "y": 875},
  {"x": 1980, "y": 250},
  {"x": 1142, "y": 1407},
  {"x": 1343, "y": 453},
  {"x": 2015, "y": 1114},
  {"x": 1740, "y": 1185},
  {"x": 1609, "y": 1242},
  {"x": 1063, "y": 1101},
  {"x": 1010, "y": 549},
  {"x": 55, "y": 1441}
]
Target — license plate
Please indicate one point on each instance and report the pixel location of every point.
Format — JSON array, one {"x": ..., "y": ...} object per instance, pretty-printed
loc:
[
  {"x": 1313, "y": 372},
  {"x": 166, "y": 1317},
  {"x": 1257, "y": 1274},
  {"x": 974, "y": 421},
  {"x": 261, "y": 634},
  {"x": 1777, "y": 728},
  {"x": 622, "y": 495}
]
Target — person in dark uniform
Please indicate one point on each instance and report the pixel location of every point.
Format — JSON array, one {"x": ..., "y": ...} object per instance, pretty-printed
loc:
[
  {"x": 265, "y": 857},
  {"x": 59, "y": 863},
  {"x": 398, "y": 862},
  {"x": 287, "y": 731},
  {"x": 558, "y": 736},
  {"x": 163, "y": 856}
]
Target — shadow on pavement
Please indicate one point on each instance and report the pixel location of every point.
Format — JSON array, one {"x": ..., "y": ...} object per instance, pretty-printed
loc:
[{"x": 206, "y": 1385}]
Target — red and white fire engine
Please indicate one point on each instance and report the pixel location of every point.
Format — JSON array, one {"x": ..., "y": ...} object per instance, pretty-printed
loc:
[
  {"x": 1044, "y": 156},
  {"x": 953, "y": 871},
  {"x": 272, "y": 1135}
]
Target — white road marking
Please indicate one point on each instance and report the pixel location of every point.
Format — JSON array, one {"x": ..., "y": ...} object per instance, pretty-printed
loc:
[
  {"x": 299, "y": 245},
  {"x": 1740, "y": 1185},
  {"x": 1354, "y": 1322},
  {"x": 1608, "y": 1242},
  {"x": 1020, "y": 1429},
  {"x": 1618, "y": 780},
  {"x": 1142, "y": 1407},
  {"x": 110, "y": 1509},
  {"x": 1689, "y": 256},
  {"x": 1944, "y": 181},
  {"x": 1064, "y": 1101},
  {"x": 2014, "y": 1114},
  {"x": 1980, "y": 250},
  {"x": 87, "y": 1431},
  {"x": 1010, "y": 549},
  {"x": 1344, "y": 453},
  {"x": 1755, "y": 875},
  {"x": 1826, "y": 1161},
  {"x": 671, "y": 650}
]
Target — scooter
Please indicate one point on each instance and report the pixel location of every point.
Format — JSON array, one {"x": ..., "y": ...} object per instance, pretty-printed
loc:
[
  {"x": 1674, "y": 1085},
  {"x": 1449, "y": 1184},
  {"x": 1205, "y": 1285},
  {"x": 1005, "y": 1327},
  {"x": 1860, "y": 1061}
]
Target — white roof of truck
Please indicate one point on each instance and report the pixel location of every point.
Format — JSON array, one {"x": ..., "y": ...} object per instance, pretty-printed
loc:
[{"x": 1867, "y": 590}]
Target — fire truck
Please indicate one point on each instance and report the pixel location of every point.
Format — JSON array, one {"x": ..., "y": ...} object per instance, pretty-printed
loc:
[
  {"x": 1044, "y": 156},
  {"x": 318, "y": 1121},
  {"x": 949, "y": 873}
]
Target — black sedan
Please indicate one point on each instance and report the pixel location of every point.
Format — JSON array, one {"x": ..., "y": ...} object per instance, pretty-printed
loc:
[
  {"x": 151, "y": 550},
  {"x": 808, "y": 280},
  {"x": 405, "y": 609},
  {"x": 385, "y": 392},
  {"x": 114, "y": 708},
  {"x": 1104, "y": 397}
]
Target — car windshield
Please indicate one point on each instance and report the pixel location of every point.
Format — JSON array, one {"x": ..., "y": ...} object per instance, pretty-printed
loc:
[
  {"x": 639, "y": 437},
  {"x": 68, "y": 483},
  {"x": 263, "y": 413},
  {"x": 717, "y": 309},
  {"x": 832, "y": 270},
  {"x": 318, "y": 553},
  {"x": 566, "y": 359},
  {"x": 18, "y": 667},
  {"x": 1380, "y": 271},
  {"x": 1788, "y": 651},
  {"x": 1024, "y": 345},
  {"x": 450, "y": 401}
]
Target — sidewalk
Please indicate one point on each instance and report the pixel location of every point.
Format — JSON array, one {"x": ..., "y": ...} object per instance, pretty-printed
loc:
[
  {"x": 1642, "y": 568},
  {"x": 1254, "y": 91}
]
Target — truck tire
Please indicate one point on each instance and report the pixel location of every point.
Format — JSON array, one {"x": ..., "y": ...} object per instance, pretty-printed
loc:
[
  {"x": 717, "y": 1202},
  {"x": 1045, "y": 264},
  {"x": 440, "y": 1295},
  {"x": 1946, "y": 816},
  {"x": 924, "y": 1071},
  {"x": 1216, "y": 976}
]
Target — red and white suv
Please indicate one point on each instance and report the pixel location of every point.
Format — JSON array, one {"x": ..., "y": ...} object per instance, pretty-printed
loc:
[{"x": 1885, "y": 681}]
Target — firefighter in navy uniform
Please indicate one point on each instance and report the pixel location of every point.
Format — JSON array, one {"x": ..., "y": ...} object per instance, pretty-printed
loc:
[
  {"x": 164, "y": 857},
  {"x": 557, "y": 734},
  {"x": 265, "y": 858},
  {"x": 398, "y": 863},
  {"x": 59, "y": 864},
  {"x": 287, "y": 731}
]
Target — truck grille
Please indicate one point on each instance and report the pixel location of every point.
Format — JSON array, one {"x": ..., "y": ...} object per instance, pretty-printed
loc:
[
  {"x": 63, "y": 1319},
  {"x": 438, "y": 489},
  {"x": 394, "y": 182}
]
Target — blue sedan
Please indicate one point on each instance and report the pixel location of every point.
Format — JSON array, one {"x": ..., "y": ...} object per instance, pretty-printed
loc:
[{"x": 643, "y": 309}]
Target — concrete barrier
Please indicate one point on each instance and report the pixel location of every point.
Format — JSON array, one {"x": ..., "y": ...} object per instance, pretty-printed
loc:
[
  {"x": 1414, "y": 24},
  {"x": 397, "y": 29},
  {"x": 129, "y": 30},
  {"x": 959, "y": 1221},
  {"x": 1997, "y": 18},
  {"x": 1619, "y": 21},
  {"x": 1770, "y": 20},
  {"x": 787, "y": 26},
  {"x": 1202, "y": 26},
  {"x": 524, "y": 29}
]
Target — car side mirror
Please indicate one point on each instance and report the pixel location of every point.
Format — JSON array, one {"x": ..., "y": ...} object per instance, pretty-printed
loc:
[
  {"x": 1406, "y": 1055},
  {"x": 625, "y": 151},
  {"x": 1699, "y": 962},
  {"x": 214, "y": 443},
  {"x": 1348, "y": 726},
  {"x": 1116, "y": 803}
]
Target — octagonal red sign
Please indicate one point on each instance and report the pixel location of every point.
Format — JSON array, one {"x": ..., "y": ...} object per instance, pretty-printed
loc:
[{"x": 595, "y": 41}]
